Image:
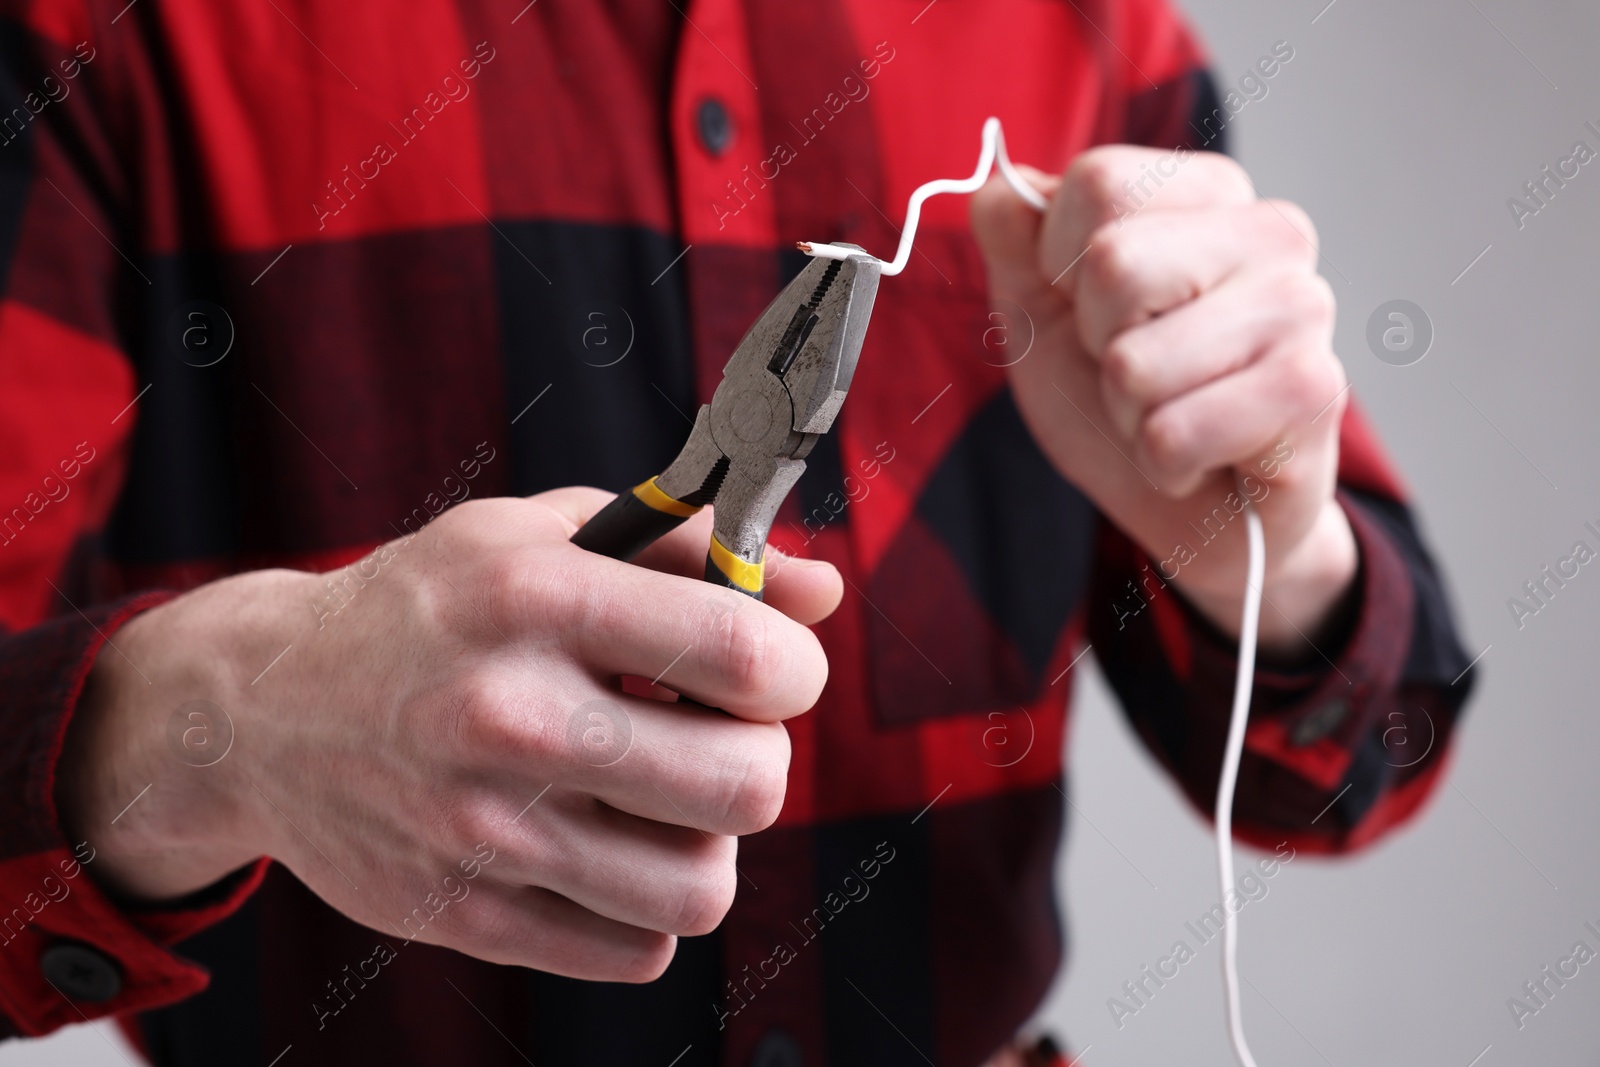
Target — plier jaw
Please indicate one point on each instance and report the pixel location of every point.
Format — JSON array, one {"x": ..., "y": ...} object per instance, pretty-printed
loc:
[{"x": 780, "y": 392}]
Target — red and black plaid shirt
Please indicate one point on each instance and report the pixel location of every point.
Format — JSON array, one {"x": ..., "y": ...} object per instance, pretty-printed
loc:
[{"x": 416, "y": 228}]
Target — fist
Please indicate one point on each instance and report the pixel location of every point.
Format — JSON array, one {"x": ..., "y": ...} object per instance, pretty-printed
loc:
[
  {"x": 450, "y": 754},
  {"x": 1182, "y": 362}
]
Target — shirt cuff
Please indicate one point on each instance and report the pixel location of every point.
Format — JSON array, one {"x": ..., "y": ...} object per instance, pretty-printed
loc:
[
  {"x": 1312, "y": 719},
  {"x": 69, "y": 951}
]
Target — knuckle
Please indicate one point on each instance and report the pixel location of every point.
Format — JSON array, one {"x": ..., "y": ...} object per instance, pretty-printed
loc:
[
  {"x": 708, "y": 895},
  {"x": 1110, "y": 263},
  {"x": 1165, "y": 440},
  {"x": 506, "y": 589},
  {"x": 1095, "y": 178},
  {"x": 482, "y": 924},
  {"x": 1223, "y": 177},
  {"x": 1321, "y": 379},
  {"x": 1309, "y": 379},
  {"x": 1173, "y": 490},
  {"x": 1294, "y": 227},
  {"x": 500, "y": 587},
  {"x": 494, "y": 720},
  {"x": 568, "y": 599},
  {"x": 755, "y": 781},
  {"x": 650, "y": 962},
  {"x": 1125, "y": 368},
  {"x": 528, "y": 590},
  {"x": 752, "y": 656},
  {"x": 471, "y": 820},
  {"x": 1315, "y": 299},
  {"x": 480, "y": 720}
]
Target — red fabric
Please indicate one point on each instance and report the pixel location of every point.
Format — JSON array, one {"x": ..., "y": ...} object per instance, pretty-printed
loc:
[
  {"x": 62, "y": 475},
  {"x": 1368, "y": 665},
  {"x": 386, "y": 323},
  {"x": 1304, "y": 767},
  {"x": 47, "y": 892}
]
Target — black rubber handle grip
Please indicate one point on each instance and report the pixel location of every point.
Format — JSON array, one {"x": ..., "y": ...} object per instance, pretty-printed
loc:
[
  {"x": 716, "y": 576},
  {"x": 625, "y": 527}
]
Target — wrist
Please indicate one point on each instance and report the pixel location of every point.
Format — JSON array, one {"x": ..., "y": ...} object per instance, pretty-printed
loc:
[
  {"x": 1306, "y": 590},
  {"x": 1310, "y": 585},
  {"x": 150, "y": 774}
]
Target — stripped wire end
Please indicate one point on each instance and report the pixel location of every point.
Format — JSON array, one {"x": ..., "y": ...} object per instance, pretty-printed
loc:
[{"x": 819, "y": 250}]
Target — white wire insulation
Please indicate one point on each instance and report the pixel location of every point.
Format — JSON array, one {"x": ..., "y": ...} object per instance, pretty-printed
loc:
[
  {"x": 993, "y": 153},
  {"x": 1249, "y": 625}
]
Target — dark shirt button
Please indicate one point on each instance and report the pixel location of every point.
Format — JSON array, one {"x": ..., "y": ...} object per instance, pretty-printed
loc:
[
  {"x": 716, "y": 127},
  {"x": 80, "y": 972},
  {"x": 1318, "y": 724},
  {"x": 777, "y": 1049}
]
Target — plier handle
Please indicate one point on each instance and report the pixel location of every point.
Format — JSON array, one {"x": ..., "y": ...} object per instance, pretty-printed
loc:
[{"x": 780, "y": 392}]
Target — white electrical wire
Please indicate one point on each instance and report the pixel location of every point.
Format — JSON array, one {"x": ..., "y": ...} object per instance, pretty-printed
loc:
[
  {"x": 994, "y": 153},
  {"x": 1249, "y": 624},
  {"x": 994, "y": 150}
]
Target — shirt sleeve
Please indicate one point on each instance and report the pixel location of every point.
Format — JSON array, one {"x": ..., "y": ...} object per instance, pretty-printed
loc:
[
  {"x": 68, "y": 950},
  {"x": 1336, "y": 752},
  {"x": 1346, "y": 748}
]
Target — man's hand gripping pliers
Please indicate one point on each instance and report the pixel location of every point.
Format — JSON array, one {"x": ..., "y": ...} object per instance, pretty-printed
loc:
[{"x": 780, "y": 392}]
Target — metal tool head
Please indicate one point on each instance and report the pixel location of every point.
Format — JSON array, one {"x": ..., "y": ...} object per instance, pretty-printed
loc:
[
  {"x": 779, "y": 393},
  {"x": 809, "y": 339}
]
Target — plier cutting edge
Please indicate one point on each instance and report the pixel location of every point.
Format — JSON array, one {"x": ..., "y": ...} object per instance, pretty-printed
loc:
[{"x": 779, "y": 393}]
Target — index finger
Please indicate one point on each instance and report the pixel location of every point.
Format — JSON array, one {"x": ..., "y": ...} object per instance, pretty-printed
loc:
[
  {"x": 1114, "y": 182},
  {"x": 709, "y": 643},
  {"x": 806, "y": 590}
]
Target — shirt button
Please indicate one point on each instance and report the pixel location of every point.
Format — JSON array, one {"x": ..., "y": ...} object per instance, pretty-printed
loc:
[
  {"x": 777, "y": 1049},
  {"x": 80, "y": 972},
  {"x": 715, "y": 125}
]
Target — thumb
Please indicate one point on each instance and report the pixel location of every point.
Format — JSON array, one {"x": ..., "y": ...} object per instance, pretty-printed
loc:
[
  {"x": 806, "y": 590},
  {"x": 1007, "y": 230}
]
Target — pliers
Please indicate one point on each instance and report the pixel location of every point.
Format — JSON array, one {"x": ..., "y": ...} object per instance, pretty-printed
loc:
[{"x": 779, "y": 393}]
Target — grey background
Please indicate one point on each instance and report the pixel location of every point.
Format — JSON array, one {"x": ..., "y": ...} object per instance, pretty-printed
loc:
[{"x": 1402, "y": 129}]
